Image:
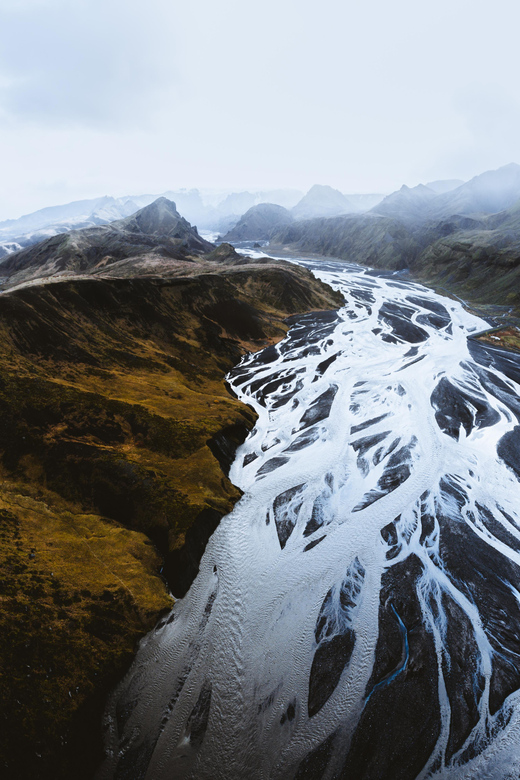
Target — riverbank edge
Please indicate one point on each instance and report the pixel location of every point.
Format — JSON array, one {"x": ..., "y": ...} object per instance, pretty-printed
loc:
[{"x": 493, "y": 313}]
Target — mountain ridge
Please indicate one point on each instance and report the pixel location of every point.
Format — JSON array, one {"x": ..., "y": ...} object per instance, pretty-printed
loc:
[{"x": 155, "y": 230}]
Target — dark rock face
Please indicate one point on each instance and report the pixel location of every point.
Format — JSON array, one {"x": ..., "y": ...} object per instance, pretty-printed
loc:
[
  {"x": 259, "y": 222},
  {"x": 225, "y": 443}
]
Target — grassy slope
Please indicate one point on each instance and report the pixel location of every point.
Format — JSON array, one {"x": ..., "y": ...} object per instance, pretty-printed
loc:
[
  {"x": 482, "y": 265},
  {"x": 109, "y": 391}
]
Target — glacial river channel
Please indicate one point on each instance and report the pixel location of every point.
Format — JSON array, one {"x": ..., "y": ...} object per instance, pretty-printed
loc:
[{"x": 357, "y": 615}]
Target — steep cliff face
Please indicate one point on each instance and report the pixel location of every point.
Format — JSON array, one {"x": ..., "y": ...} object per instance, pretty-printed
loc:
[
  {"x": 482, "y": 265},
  {"x": 113, "y": 408}
]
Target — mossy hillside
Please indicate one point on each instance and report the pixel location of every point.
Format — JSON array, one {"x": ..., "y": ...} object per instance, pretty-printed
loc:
[
  {"x": 109, "y": 393},
  {"x": 76, "y": 592},
  {"x": 507, "y": 338},
  {"x": 107, "y": 385},
  {"x": 478, "y": 265}
]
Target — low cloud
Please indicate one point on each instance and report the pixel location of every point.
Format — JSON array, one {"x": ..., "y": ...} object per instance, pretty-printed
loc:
[{"x": 100, "y": 63}]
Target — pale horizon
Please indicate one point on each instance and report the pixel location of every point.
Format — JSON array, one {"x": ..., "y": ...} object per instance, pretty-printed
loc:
[{"x": 235, "y": 97}]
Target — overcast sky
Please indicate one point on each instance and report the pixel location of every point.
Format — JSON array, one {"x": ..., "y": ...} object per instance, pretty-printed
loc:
[{"x": 125, "y": 97}]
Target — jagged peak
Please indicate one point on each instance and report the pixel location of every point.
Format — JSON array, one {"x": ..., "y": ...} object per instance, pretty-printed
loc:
[{"x": 158, "y": 218}]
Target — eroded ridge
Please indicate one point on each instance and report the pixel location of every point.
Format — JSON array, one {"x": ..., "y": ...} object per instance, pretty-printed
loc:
[{"x": 358, "y": 614}]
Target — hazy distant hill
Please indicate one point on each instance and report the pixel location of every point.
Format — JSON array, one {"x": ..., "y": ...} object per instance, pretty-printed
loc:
[
  {"x": 259, "y": 222},
  {"x": 104, "y": 207},
  {"x": 444, "y": 185},
  {"x": 32, "y": 228},
  {"x": 488, "y": 193},
  {"x": 322, "y": 201},
  {"x": 409, "y": 204}
]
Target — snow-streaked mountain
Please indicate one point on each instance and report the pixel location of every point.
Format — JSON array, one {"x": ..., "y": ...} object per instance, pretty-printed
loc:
[
  {"x": 215, "y": 211},
  {"x": 32, "y": 228},
  {"x": 154, "y": 235}
]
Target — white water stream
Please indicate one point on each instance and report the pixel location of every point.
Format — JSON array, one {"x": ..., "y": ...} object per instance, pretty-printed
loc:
[{"x": 357, "y": 616}]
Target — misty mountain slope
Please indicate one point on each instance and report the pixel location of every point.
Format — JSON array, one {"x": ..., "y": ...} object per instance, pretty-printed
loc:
[
  {"x": 155, "y": 230},
  {"x": 487, "y": 193},
  {"x": 66, "y": 213},
  {"x": 475, "y": 257},
  {"x": 409, "y": 204},
  {"x": 259, "y": 222},
  {"x": 368, "y": 239},
  {"x": 444, "y": 185},
  {"x": 322, "y": 201}
]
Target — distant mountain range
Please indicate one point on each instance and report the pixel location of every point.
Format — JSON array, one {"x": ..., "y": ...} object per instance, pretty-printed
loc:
[
  {"x": 214, "y": 212},
  {"x": 210, "y": 211},
  {"x": 488, "y": 193},
  {"x": 466, "y": 238},
  {"x": 262, "y": 220},
  {"x": 459, "y": 232}
]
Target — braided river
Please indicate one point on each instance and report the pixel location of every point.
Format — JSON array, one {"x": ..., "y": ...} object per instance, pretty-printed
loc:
[{"x": 357, "y": 615}]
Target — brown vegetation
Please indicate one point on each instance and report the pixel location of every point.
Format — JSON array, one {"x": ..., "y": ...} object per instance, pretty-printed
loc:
[{"x": 110, "y": 390}]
